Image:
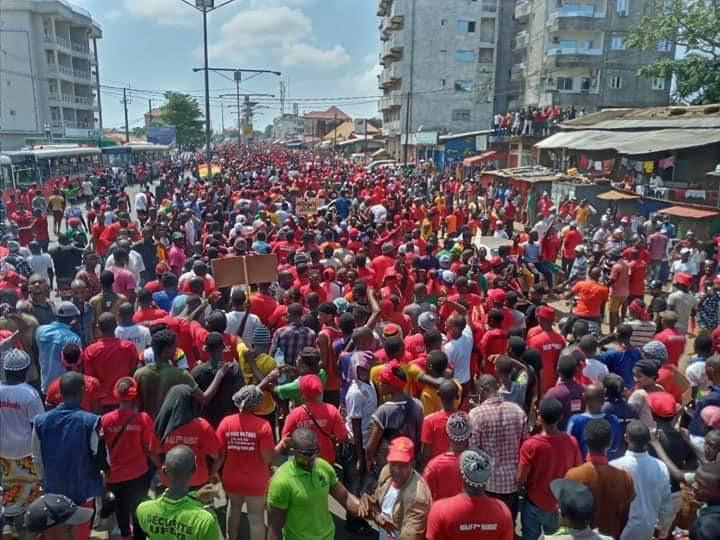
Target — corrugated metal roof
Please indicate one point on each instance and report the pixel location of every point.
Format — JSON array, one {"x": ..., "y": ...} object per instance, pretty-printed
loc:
[
  {"x": 451, "y": 136},
  {"x": 667, "y": 123},
  {"x": 633, "y": 142},
  {"x": 684, "y": 211},
  {"x": 696, "y": 116}
]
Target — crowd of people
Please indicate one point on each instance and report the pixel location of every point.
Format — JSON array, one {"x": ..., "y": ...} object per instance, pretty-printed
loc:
[{"x": 433, "y": 386}]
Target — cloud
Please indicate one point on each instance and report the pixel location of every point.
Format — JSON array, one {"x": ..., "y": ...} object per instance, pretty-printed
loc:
[
  {"x": 112, "y": 15},
  {"x": 280, "y": 34},
  {"x": 163, "y": 12}
]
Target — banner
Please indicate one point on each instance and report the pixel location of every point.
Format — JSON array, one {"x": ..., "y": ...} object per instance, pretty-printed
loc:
[
  {"x": 203, "y": 170},
  {"x": 243, "y": 270},
  {"x": 306, "y": 207},
  {"x": 161, "y": 134}
]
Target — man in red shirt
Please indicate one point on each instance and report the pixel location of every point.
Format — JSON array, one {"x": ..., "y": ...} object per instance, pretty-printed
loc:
[
  {"x": 544, "y": 458},
  {"x": 549, "y": 343},
  {"x": 637, "y": 269},
  {"x": 71, "y": 358},
  {"x": 493, "y": 342},
  {"x": 263, "y": 304},
  {"x": 109, "y": 359},
  {"x": 321, "y": 418},
  {"x": 434, "y": 436},
  {"x": 39, "y": 229},
  {"x": 673, "y": 339},
  {"x": 471, "y": 514},
  {"x": 383, "y": 262},
  {"x": 441, "y": 472},
  {"x": 147, "y": 311},
  {"x": 215, "y": 322},
  {"x": 571, "y": 239},
  {"x": 24, "y": 221}
]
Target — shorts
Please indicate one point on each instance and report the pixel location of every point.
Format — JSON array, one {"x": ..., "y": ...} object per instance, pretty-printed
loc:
[
  {"x": 615, "y": 303},
  {"x": 20, "y": 484}
]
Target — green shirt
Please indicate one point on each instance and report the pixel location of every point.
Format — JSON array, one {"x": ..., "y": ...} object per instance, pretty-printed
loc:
[
  {"x": 291, "y": 391},
  {"x": 304, "y": 497},
  {"x": 182, "y": 519}
]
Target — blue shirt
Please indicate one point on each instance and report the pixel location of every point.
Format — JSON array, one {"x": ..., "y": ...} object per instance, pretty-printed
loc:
[
  {"x": 531, "y": 253},
  {"x": 50, "y": 339},
  {"x": 621, "y": 362},
  {"x": 342, "y": 205},
  {"x": 576, "y": 428},
  {"x": 164, "y": 300}
]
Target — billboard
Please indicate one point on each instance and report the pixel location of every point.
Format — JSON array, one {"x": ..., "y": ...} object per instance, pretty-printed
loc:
[{"x": 161, "y": 134}]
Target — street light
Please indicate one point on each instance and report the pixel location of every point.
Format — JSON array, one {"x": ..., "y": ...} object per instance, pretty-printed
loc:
[{"x": 206, "y": 6}]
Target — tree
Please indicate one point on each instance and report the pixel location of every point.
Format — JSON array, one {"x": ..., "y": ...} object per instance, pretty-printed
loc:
[
  {"x": 183, "y": 112},
  {"x": 693, "y": 26}
]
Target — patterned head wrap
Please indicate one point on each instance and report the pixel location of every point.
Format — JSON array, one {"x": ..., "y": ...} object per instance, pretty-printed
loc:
[
  {"x": 475, "y": 467},
  {"x": 458, "y": 427},
  {"x": 248, "y": 397}
]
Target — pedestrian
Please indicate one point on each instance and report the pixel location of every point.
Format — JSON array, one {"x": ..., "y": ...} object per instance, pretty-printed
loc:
[
  {"x": 441, "y": 473},
  {"x": 576, "y": 504},
  {"x": 51, "y": 338},
  {"x": 176, "y": 513}
]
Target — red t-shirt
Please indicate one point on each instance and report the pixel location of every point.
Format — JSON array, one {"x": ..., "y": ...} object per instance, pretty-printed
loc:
[
  {"x": 494, "y": 341},
  {"x": 548, "y": 457},
  {"x": 414, "y": 344},
  {"x": 200, "y": 334},
  {"x": 549, "y": 343},
  {"x": 149, "y": 314},
  {"x": 327, "y": 417},
  {"x": 442, "y": 475},
  {"x": 244, "y": 436},
  {"x": 199, "y": 435},
  {"x": 127, "y": 455},
  {"x": 263, "y": 306},
  {"x": 181, "y": 328},
  {"x": 434, "y": 434},
  {"x": 666, "y": 379},
  {"x": 91, "y": 394},
  {"x": 464, "y": 517},
  {"x": 674, "y": 342},
  {"x": 637, "y": 270},
  {"x": 153, "y": 286},
  {"x": 109, "y": 359},
  {"x": 573, "y": 238}
]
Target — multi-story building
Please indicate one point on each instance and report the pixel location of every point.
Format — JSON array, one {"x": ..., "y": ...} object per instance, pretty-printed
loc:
[
  {"x": 572, "y": 53},
  {"x": 438, "y": 63},
  {"x": 48, "y": 73},
  {"x": 288, "y": 126}
]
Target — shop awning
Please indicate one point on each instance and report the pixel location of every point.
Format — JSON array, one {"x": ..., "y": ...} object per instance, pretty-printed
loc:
[
  {"x": 631, "y": 142},
  {"x": 614, "y": 195},
  {"x": 490, "y": 155},
  {"x": 689, "y": 212}
]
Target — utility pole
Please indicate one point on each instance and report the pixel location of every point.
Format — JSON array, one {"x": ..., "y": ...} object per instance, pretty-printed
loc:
[
  {"x": 335, "y": 132},
  {"x": 247, "y": 108},
  {"x": 222, "y": 118},
  {"x": 407, "y": 128},
  {"x": 366, "y": 145},
  {"x": 150, "y": 112},
  {"x": 238, "y": 76},
  {"x": 97, "y": 88},
  {"x": 127, "y": 127},
  {"x": 282, "y": 98}
]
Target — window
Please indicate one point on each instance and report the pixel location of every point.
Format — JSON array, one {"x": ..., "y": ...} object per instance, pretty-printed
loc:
[
  {"x": 616, "y": 83},
  {"x": 568, "y": 43},
  {"x": 658, "y": 83},
  {"x": 485, "y": 55},
  {"x": 466, "y": 27},
  {"x": 489, "y": 6},
  {"x": 564, "y": 83},
  {"x": 664, "y": 45},
  {"x": 464, "y": 56},
  {"x": 442, "y": 22},
  {"x": 617, "y": 43},
  {"x": 623, "y": 7},
  {"x": 461, "y": 115},
  {"x": 442, "y": 83},
  {"x": 585, "y": 84},
  {"x": 463, "y": 86},
  {"x": 589, "y": 44}
]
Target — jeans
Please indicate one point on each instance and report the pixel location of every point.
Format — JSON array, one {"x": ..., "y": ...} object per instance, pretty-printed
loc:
[
  {"x": 535, "y": 521},
  {"x": 653, "y": 270},
  {"x": 128, "y": 496},
  {"x": 256, "y": 516},
  {"x": 544, "y": 269},
  {"x": 510, "y": 499}
]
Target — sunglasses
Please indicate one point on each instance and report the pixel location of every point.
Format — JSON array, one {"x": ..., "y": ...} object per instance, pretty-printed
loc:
[{"x": 312, "y": 452}]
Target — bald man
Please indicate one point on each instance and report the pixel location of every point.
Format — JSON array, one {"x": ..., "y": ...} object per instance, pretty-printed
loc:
[
  {"x": 594, "y": 398},
  {"x": 175, "y": 514}
]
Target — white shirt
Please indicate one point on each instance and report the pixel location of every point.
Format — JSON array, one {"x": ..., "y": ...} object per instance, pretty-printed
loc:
[
  {"x": 87, "y": 188},
  {"x": 141, "y": 201},
  {"x": 19, "y": 405},
  {"x": 682, "y": 303},
  {"x": 697, "y": 376},
  {"x": 234, "y": 318},
  {"x": 40, "y": 264},
  {"x": 595, "y": 370},
  {"x": 652, "y": 506},
  {"x": 379, "y": 213},
  {"x": 386, "y": 507},
  {"x": 360, "y": 402},
  {"x": 459, "y": 352},
  {"x": 135, "y": 264},
  {"x": 138, "y": 334}
]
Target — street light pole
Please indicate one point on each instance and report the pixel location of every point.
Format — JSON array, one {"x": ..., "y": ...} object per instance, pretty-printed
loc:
[
  {"x": 207, "y": 89},
  {"x": 238, "y": 76}
]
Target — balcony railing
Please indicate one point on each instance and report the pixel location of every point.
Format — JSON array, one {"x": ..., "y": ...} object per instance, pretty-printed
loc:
[
  {"x": 579, "y": 51},
  {"x": 522, "y": 10},
  {"x": 79, "y": 74},
  {"x": 585, "y": 10},
  {"x": 521, "y": 39}
]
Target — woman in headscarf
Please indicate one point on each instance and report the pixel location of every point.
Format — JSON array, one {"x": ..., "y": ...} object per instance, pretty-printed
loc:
[
  {"x": 247, "y": 450},
  {"x": 176, "y": 423}
]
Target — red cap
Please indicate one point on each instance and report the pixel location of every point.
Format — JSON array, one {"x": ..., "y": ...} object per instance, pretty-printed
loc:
[
  {"x": 401, "y": 450},
  {"x": 130, "y": 389},
  {"x": 710, "y": 416},
  {"x": 311, "y": 387},
  {"x": 391, "y": 330},
  {"x": 497, "y": 296},
  {"x": 662, "y": 404},
  {"x": 683, "y": 279},
  {"x": 545, "y": 312}
]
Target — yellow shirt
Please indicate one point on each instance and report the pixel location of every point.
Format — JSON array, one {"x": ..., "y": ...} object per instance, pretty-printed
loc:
[
  {"x": 431, "y": 400},
  {"x": 56, "y": 203},
  {"x": 265, "y": 364},
  {"x": 582, "y": 215},
  {"x": 412, "y": 372}
]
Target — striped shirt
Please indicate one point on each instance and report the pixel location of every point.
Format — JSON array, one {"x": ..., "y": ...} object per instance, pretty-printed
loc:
[{"x": 643, "y": 331}]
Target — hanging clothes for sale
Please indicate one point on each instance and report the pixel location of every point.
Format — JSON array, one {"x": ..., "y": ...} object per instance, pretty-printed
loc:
[
  {"x": 583, "y": 163},
  {"x": 666, "y": 163},
  {"x": 649, "y": 166}
]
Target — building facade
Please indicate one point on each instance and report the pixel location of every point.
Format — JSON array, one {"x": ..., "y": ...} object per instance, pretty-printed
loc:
[
  {"x": 438, "y": 61},
  {"x": 288, "y": 126},
  {"x": 572, "y": 53},
  {"x": 48, "y": 73}
]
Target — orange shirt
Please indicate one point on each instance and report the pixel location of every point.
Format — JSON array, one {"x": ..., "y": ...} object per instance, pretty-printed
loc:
[{"x": 591, "y": 295}]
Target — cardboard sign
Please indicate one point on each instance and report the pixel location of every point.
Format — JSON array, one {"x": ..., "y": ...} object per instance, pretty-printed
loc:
[
  {"x": 306, "y": 207},
  {"x": 248, "y": 269},
  {"x": 203, "y": 170}
]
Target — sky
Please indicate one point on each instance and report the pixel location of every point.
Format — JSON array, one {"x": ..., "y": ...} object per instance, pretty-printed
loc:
[{"x": 324, "y": 49}]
